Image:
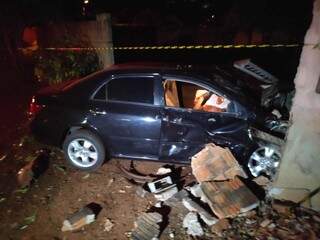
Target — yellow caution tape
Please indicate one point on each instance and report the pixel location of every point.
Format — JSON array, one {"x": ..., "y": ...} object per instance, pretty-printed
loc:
[{"x": 176, "y": 47}]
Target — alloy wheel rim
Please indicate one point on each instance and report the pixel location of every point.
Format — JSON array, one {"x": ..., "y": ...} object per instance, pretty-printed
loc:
[
  {"x": 82, "y": 152},
  {"x": 264, "y": 160}
]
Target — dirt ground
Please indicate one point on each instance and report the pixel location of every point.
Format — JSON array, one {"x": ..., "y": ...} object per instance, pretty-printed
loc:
[{"x": 38, "y": 212}]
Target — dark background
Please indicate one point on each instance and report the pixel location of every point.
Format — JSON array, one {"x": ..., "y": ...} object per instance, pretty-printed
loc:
[{"x": 167, "y": 22}]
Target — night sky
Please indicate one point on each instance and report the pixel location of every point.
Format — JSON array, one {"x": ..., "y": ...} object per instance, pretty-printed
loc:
[
  {"x": 262, "y": 14},
  {"x": 176, "y": 22}
]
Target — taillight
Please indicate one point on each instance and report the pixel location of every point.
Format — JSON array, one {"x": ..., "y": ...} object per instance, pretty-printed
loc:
[{"x": 34, "y": 107}]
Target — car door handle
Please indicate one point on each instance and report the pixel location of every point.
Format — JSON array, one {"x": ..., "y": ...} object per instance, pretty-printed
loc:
[
  {"x": 212, "y": 120},
  {"x": 101, "y": 112},
  {"x": 177, "y": 120},
  {"x": 98, "y": 112},
  {"x": 165, "y": 118}
]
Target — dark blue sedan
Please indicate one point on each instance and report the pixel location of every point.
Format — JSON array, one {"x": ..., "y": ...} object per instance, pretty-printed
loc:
[{"x": 151, "y": 113}]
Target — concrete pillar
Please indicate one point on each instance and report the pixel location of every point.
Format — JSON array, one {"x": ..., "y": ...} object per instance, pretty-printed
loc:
[
  {"x": 299, "y": 172},
  {"x": 104, "y": 40}
]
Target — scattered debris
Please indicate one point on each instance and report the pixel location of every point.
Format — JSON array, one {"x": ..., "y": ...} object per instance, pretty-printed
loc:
[
  {"x": 24, "y": 140},
  {"x": 163, "y": 188},
  {"x": 14, "y": 225},
  {"x": 22, "y": 190},
  {"x": 214, "y": 163},
  {"x": 35, "y": 167},
  {"x": 166, "y": 193},
  {"x": 2, "y": 199},
  {"x": 220, "y": 226},
  {"x": 30, "y": 158},
  {"x": 147, "y": 226},
  {"x": 262, "y": 180},
  {"x": 177, "y": 198},
  {"x": 229, "y": 198},
  {"x": 28, "y": 221},
  {"x": 160, "y": 184},
  {"x": 108, "y": 225},
  {"x": 204, "y": 215},
  {"x": 3, "y": 157},
  {"x": 191, "y": 223},
  {"x": 248, "y": 214},
  {"x": 316, "y": 218},
  {"x": 163, "y": 171},
  {"x": 84, "y": 216},
  {"x": 133, "y": 174},
  {"x": 25, "y": 175},
  {"x": 220, "y": 187},
  {"x": 265, "y": 223},
  {"x": 158, "y": 205},
  {"x": 110, "y": 182},
  {"x": 61, "y": 168},
  {"x": 212, "y": 198},
  {"x": 141, "y": 192},
  {"x": 282, "y": 207},
  {"x": 197, "y": 192},
  {"x": 86, "y": 176}
]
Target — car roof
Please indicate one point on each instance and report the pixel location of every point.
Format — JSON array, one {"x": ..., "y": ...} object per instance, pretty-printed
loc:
[
  {"x": 143, "y": 67},
  {"x": 207, "y": 75},
  {"x": 212, "y": 74}
]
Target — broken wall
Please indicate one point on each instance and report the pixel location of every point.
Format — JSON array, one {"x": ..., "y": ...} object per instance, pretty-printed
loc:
[{"x": 300, "y": 166}]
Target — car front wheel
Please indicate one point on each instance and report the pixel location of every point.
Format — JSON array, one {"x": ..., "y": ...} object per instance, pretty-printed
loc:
[
  {"x": 265, "y": 160},
  {"x": 84, "y": 150}
]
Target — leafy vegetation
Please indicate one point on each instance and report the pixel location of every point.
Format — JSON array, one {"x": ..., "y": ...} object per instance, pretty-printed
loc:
[{"x": 55, "y": 66}]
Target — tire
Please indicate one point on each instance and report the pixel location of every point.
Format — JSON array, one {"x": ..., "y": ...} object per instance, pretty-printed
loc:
[
  {"x": 264, "y": 160},
  {"x": 84, "y": 150}
]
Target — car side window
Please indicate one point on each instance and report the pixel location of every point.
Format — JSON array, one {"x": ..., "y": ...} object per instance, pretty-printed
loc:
[
  {"x": 131, "y": 89},
  {"x": 181, "y": 94}
]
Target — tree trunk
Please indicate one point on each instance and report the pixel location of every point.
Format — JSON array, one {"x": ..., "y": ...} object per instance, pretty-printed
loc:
[{"x": 299, "y": 173}]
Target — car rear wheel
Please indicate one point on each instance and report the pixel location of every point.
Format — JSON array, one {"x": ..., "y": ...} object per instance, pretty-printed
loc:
[
  {"x": 264, "y": 160},
  {"x": 84, "y": 150}
]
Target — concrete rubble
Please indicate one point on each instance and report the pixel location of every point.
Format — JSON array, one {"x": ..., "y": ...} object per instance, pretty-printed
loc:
[
  {"x": 229, "y": 198},
  {"x": 218, "y": 193},
  {"x": 218, "y": 173},
  {"x": 267, "y": 223},
  {"x": 214, "y": 163},
  {"x": 195, "y": 207},
  {"x": 282, "y": 207},
  {"x": 79, "y": 219},
  {"x": 147, "y": 226},
  {"x": 220, "y": 226},
  {"x": 262, "y": 181},
  {"x": 108, "y": 225},
  {"x": 217, "y": 200},
  {"x": 163, "y": 171},
  {"x": 191, "y": 223},
  {"x": 141, "y": 192}
]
